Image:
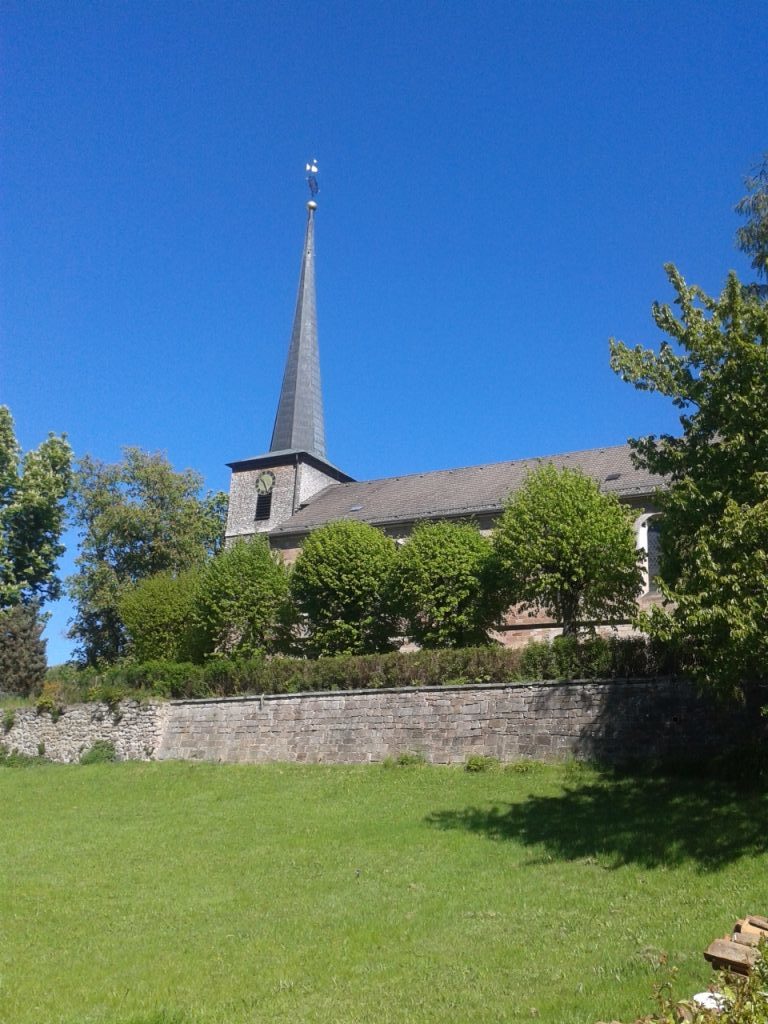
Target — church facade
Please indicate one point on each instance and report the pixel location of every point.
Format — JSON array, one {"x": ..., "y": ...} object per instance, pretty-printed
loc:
[{"x": 293, "y": 488}]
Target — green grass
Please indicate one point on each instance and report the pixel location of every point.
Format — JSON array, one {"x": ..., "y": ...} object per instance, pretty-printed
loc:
[{"x": 201, "y": 894}]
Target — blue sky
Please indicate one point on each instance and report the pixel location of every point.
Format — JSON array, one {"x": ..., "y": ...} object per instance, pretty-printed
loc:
[{"x": 500, "y": 186}]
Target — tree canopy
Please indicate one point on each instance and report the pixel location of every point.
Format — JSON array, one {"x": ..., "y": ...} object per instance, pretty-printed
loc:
[
  {"x": 438, "y": 585},
  {"x": 137, "y": 517},
  {"x": 340, "y": 584},
  {"x": 33, "y": 493},
  {"x": 564, "y": 547},
  {"x": 242, "y": 606},
  {"x": 752, "y": 237},
  {"x": 713, "y": 364}
]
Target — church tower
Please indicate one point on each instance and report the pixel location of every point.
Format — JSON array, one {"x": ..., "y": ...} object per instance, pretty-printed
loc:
[{"x": 266, "y": 490}]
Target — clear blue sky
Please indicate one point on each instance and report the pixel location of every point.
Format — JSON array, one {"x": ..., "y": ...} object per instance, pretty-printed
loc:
[{"x": 500, "y": 186}]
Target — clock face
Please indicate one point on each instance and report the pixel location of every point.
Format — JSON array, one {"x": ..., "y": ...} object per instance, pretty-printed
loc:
[{"x": 265, "y": 482}]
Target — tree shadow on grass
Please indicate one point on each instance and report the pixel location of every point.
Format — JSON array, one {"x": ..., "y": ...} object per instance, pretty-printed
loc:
[{"x": 625, "y": 818}]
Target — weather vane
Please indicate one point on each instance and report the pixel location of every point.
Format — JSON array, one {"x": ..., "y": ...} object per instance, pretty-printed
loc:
[{"x": 311, "y": 170}]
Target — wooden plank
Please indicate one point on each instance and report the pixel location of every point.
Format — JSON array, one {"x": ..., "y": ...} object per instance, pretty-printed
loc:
[{"x": 725, "y": 953}]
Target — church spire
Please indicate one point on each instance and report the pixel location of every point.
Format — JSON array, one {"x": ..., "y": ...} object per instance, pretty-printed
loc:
[{"x": 299, "y": 420}]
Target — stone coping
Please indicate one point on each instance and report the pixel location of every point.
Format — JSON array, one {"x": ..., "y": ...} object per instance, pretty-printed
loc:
[{"x": 449, "y": 688}]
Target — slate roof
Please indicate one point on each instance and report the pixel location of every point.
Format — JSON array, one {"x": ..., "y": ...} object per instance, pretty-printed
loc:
[
  {"x": 468, "y": 491},
  {"x": 299, "y": 419}
]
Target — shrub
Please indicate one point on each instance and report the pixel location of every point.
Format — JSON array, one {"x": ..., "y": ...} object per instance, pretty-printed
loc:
[
  {"x": 13, "y": 759},
  {"x": 9, "y": 720},
  {"x": 438, "y": 586},
  {"x": 22, "y": 650},
  {"x": 243, "y": 606},
  {"x": 51, "y": 700},
  {"x": 223, "y": 677},
  {"x": 340, "y": 584},
  {"x": 159, "y": 614},
  {"x": 101, "y": 752},
  {"x": 480, "y": 763}
]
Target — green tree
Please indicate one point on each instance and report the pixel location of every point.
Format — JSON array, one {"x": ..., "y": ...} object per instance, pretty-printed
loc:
[
  {"x": 752, "y": 237},
  {"x": 564, "y": 547},
  {"x": 136, "y": 518},
  {"x": 340, "y": 584},
  {"x": 438, "y": 585},
  {"x": 714, "y": 557},
  {"x": 22, "y": 650},
  {"x": 33, "y": 492},
  {"x": 160, "y": 616},
  {"x": 243, "y": 605}
]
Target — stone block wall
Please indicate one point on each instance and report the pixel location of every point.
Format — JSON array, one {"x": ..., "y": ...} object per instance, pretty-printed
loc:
[{"x": 607, "y": 721}]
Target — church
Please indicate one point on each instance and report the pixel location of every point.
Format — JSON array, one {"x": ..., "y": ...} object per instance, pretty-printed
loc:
[{"x": 293, "y": 488}]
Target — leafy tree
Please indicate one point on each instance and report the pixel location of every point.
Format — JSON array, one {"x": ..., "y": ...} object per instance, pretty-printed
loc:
[
  {"x": 340, "y": 583},
  {"x": 33, "y": 492},
  {"x": 22, "y": 650},
  {"x": 243, "y": 605},
  {"x": 137, "y": 518},
  {"x": 752, "y": 237},
  {"x": 438, "y": 585},
  {"x": 563, "y": 546},
  {"x": 160, "y": 616},
  {"x": 714, "y": 556}
]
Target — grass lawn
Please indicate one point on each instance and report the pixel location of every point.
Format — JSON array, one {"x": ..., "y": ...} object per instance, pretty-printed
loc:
[{"x": 176, "y": 893}]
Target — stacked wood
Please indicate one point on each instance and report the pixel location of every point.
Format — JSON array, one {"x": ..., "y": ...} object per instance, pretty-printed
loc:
[{"x": 738, "y": 951}]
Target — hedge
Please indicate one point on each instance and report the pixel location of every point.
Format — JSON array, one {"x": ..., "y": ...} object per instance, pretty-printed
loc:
[{"x": 564, "y": 659}]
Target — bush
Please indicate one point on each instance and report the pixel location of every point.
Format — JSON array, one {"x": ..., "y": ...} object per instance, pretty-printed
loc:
[
  {"x": 159, "y": 614},
  {"x": 22, "y": 650},
  {"x": 596, "y": 658},
  {"x": 480, "y": 763},
  {"x": 51, "y": 700},
  {"x": 340, "y": 583},
  {"x": 13, "y": 759},
  {"x": 101, "y": 752},
  {"x": 438, "y": 585},
  {"x": 243, "y": 606}
]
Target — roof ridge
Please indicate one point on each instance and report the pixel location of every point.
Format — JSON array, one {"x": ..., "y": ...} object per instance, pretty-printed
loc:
[{"x": 487, "y": 465}]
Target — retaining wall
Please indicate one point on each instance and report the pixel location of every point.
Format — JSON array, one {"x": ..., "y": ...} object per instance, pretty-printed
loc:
[{"x": 608, "y": 721}]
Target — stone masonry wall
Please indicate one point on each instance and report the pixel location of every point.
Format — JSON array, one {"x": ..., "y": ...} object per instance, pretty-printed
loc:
[
  {"x": 607, "y": 721},
  {"x": 135, "y": 729}
]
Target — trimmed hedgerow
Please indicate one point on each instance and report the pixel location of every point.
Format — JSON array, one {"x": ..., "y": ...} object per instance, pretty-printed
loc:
[{"x": 564, "y": 658}]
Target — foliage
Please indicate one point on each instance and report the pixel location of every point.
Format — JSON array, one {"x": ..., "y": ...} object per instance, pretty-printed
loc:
[
  {"x": 101, "y": 752},
  {"x": 13, "y": 759},
  {"x": 160, "y": 617},
  {"x": 598, "y": 657},
  {"x": 742, "y": 1000},
  {"x": 714, "y": 557},
  {"x": 438, "y": 585},
  {"x": 243, "y": 607},
  {"x": 51, "y": 700},
  {"x": 340, "y": 585},
  {"x": 136, "y": 518},
  {"x": 480, "y": 763},
  {"x": 33, "y": 491},
  {"x": 22, "y": 650},
  {"x": 564, "y": 547},
  {"x": 9, "y": 719},
  {"x": 565, "y": 658},
  {"x": 752, "y": 237}
]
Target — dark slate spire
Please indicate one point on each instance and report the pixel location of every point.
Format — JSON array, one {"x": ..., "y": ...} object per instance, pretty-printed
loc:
[{"x": 299, "y": 419}]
